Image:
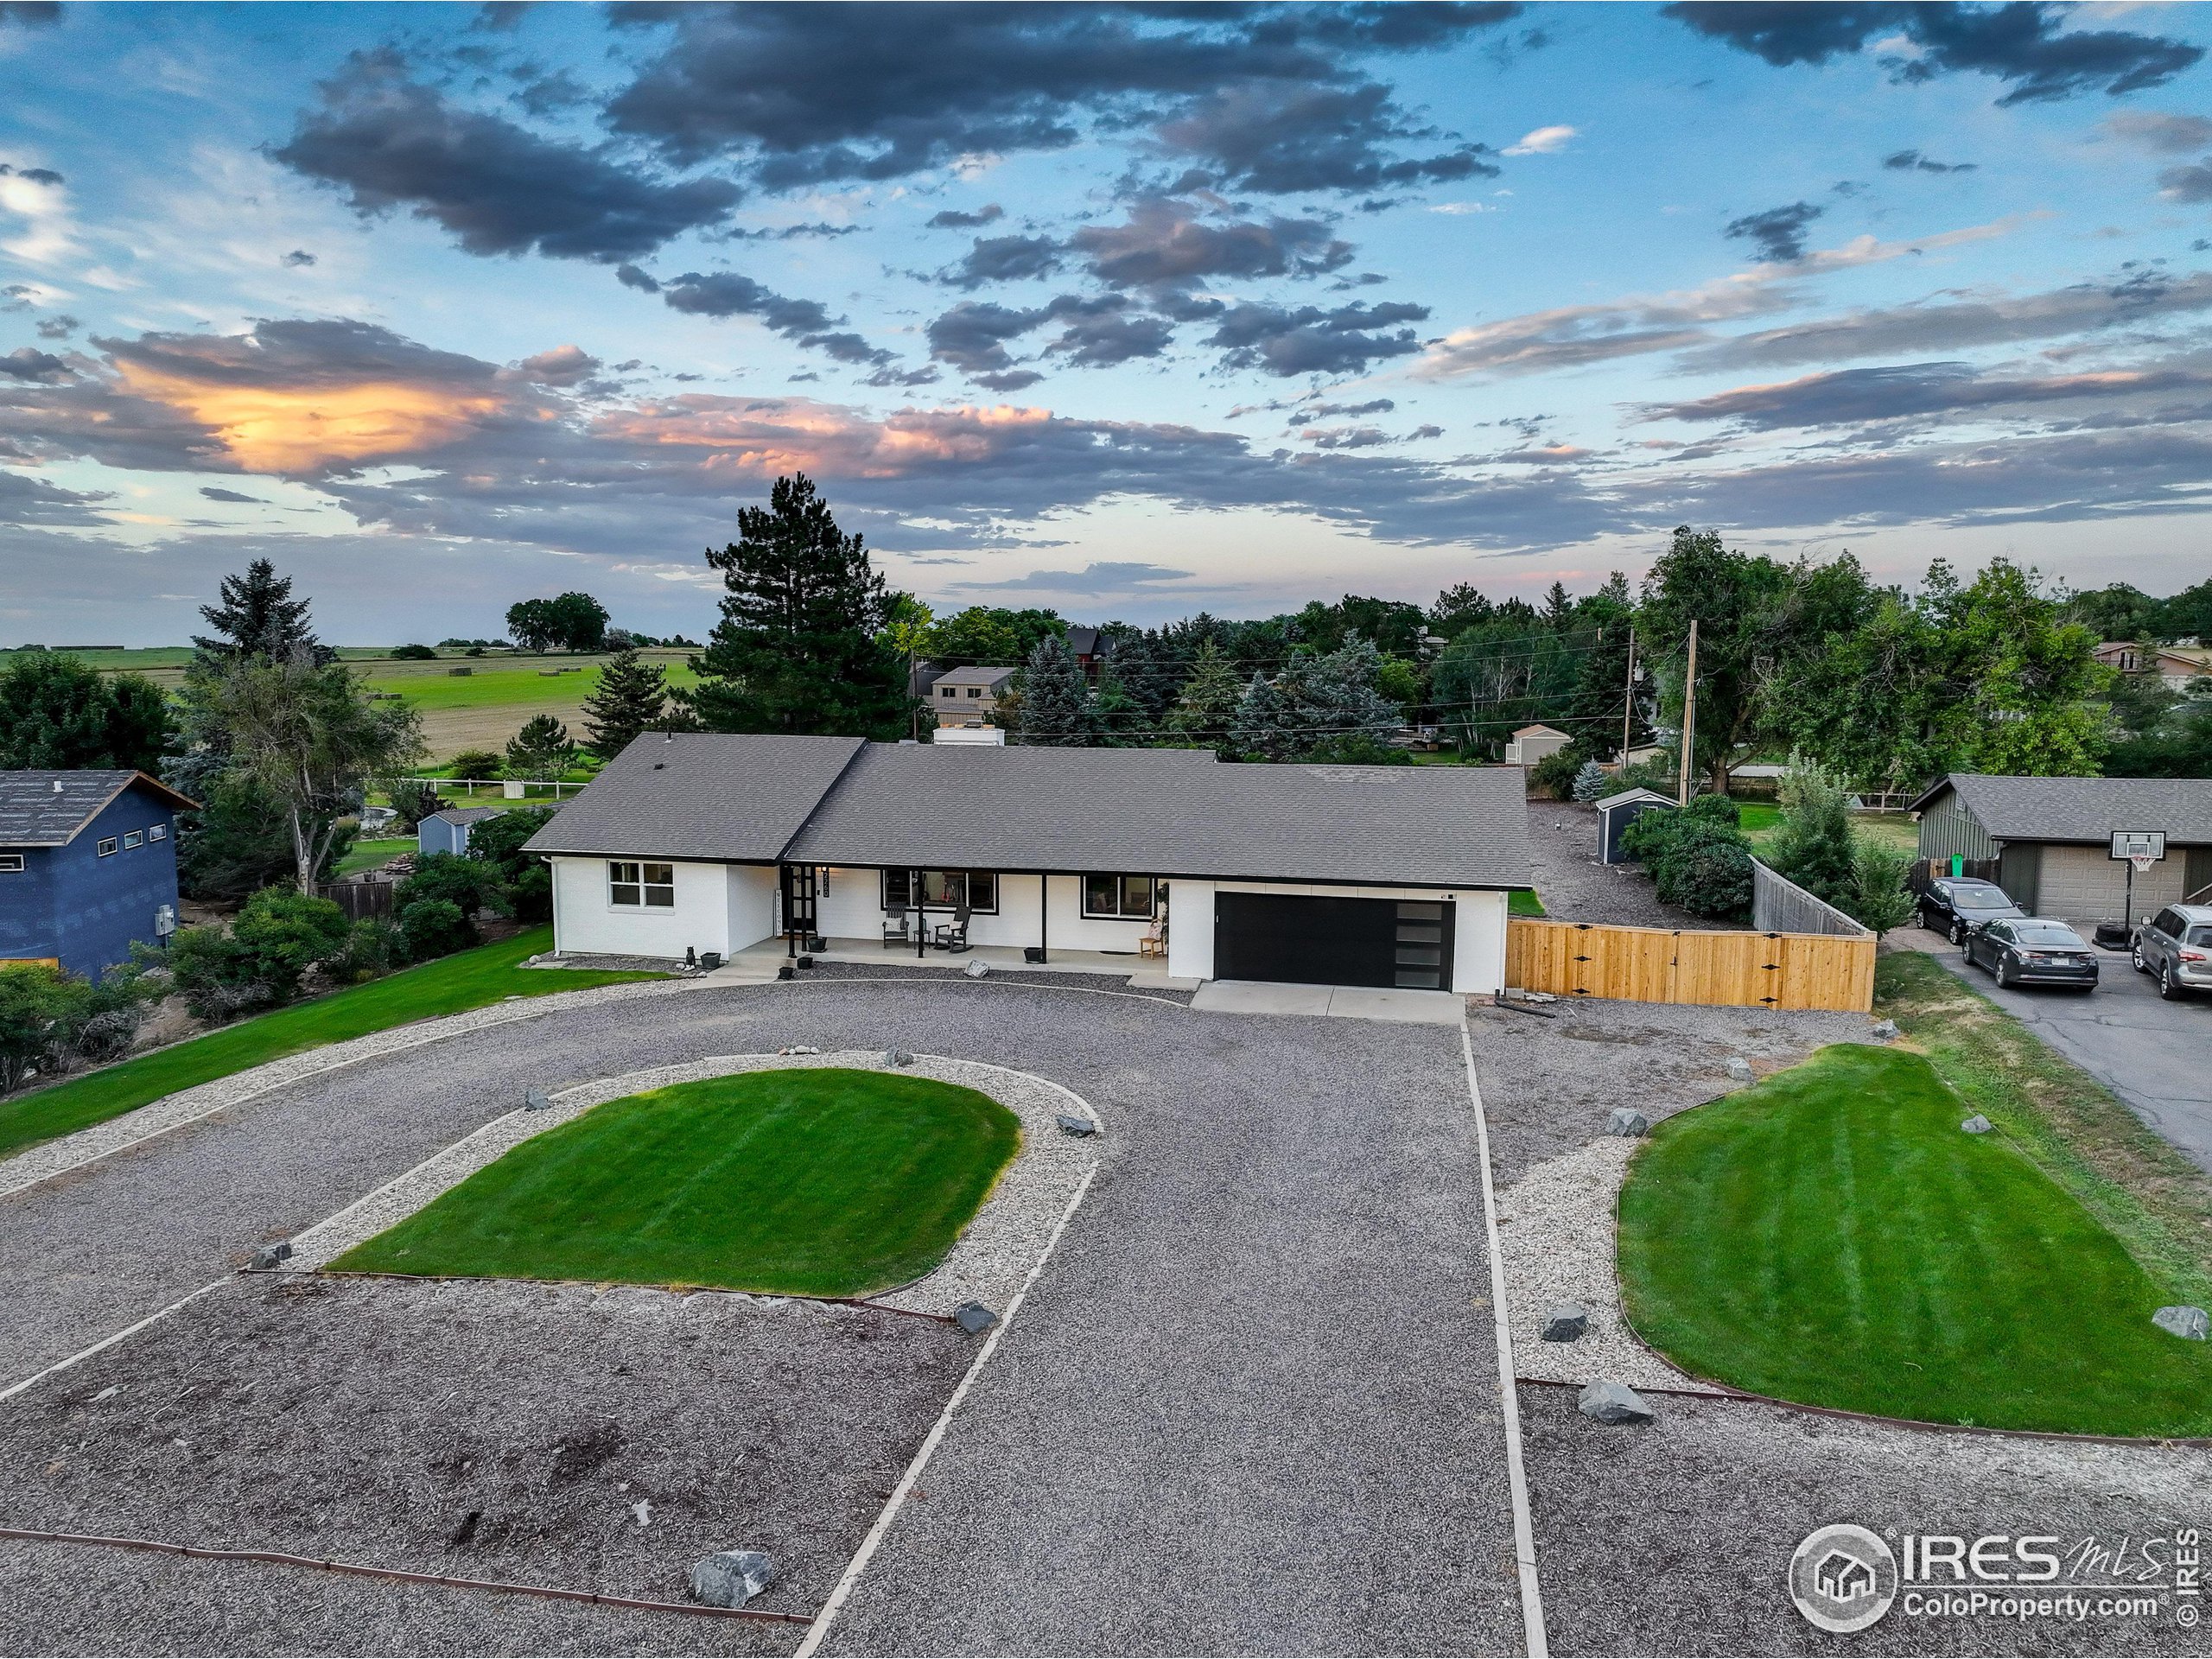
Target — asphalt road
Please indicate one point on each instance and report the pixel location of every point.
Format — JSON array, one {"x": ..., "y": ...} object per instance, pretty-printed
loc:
[
  {"x": 2153, "y": 1054},
  {"x": 1251, "y": 1407}
]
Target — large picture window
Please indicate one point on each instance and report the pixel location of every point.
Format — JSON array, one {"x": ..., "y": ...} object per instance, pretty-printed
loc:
[
  {"x": 634, "y": 886},
  {"x": 1121, "y": 897},
  {"x": 944, "y": 890}
]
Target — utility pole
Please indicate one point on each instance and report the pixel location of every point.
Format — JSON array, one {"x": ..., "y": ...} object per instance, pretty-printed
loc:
[
  {"x": 1628, "y": 701},
  {"x": 1689, "y": 719}
]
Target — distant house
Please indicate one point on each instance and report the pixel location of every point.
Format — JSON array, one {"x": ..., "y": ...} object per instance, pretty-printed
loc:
[
  {"x": 448, "y": 831},
  {"x": 2047, "y": 840},
  {"x": 87, "y": 866},
  {"x": 1090, "y": 647},
  {"x": 969, "y": 696},
  {"x": 2178, "y": 664},
  {"x": 1533, "y": 743}
]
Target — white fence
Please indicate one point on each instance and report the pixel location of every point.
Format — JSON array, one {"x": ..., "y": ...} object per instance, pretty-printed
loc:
[
  {"x": 513, "y": 789},
  {"x": 1780, "y": 905}
]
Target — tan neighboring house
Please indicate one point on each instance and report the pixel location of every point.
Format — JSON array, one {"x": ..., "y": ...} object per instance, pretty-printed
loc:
[
  {"x": 1533, "y": 743},
  {"x": 969, "y": 696},
  {"x": 2180, "y": 666}
]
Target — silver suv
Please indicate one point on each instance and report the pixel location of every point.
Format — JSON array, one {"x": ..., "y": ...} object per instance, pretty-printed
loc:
[{"x": 2174, "y": 947}]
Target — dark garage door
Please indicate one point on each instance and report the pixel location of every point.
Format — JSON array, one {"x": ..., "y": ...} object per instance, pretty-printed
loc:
[{"x": 1321, "y": 941}]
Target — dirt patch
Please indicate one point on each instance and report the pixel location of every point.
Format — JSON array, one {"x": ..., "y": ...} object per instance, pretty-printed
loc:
[{"x": 1576, "y": 887}]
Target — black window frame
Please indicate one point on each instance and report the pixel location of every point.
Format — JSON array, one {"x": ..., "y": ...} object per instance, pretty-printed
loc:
[
  {"x": 641, "y": 883},
  {"x": 1119, "y": 878},
  {"x": 902, "y": 879}
]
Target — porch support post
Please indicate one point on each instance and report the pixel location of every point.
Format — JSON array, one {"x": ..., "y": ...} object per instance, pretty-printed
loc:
[
  {"x": 921, "y": 916},
  {"x": 1044, "y": 914}
]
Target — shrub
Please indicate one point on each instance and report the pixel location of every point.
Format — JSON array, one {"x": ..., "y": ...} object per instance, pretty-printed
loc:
[
  {"x": 1699, "y": 861},
  {"x": 414, "y": 801},
  {"x": 468, "y": 884},
  {"x": 1658, "y": 773},
  {"x": 372, "y": 946},
  {"x": 1879, "y": 900},
  {"x": 434, "y": 927},
  {"x": 280, "y": 934},
  {"x": 524, "y": 877},
  {"x": 1555, "y": 774},
  {"x": 1815, "y": 847},
  {"x": 49, "y": 1018},
  {"x": 477, "y": 763},
  {"x": 542, "y": 749},
  {"x": 1593, "y": 783},
  {"x": 1714, "y": 809},
  {"x": 414, "y": 653}
]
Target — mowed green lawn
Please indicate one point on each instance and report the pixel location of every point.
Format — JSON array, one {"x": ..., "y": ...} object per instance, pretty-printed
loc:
[
  {"x": 467, "y": 979},
  {"x": 1831, "y": 1237},
  {"x": 372, "y": 854},
  {"x": 812, "y": 1182}
]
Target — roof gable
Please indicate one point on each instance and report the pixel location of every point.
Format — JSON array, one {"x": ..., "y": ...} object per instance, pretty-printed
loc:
[
  {"x": 701, "y": 795},
  {"x": 51, "y": 808},
  {"x": 2087, "y": 810}
]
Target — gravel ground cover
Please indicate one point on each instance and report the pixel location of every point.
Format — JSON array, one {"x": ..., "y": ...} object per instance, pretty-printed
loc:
[
  {"x": 371, "y": 1419},
  {"x": 1251, "y": 1405},
  {"x": 895, "y": 968},
  {"x": 94, "y": 1602},
  {"x": 1576, "y": 887},
  {"x": 1675, "y": 1537}
]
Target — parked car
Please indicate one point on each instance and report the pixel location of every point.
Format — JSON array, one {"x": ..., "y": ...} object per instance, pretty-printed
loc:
[
  {"x": 2030, "y": 950},
  {"x": 1956, "y": 904},
  {"x": 2174, "y": 947}
]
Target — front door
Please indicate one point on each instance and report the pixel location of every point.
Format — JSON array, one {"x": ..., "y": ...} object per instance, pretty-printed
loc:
[{"x": 799, "y": 907}]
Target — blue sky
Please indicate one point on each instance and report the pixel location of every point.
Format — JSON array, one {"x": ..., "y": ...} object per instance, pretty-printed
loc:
[{"x": 1123, "y": 312}]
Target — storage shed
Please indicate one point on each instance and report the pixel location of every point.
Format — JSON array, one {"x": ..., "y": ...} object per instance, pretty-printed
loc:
[
  {"x": 1617, "y": 812},
  {"x": 448, "y": 831}
]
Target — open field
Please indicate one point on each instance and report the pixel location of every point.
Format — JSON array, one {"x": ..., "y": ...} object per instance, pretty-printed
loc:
[
  {"x": 806, "y": 1183},
  {"x": 480, "y": 710},
  {"x": 1831, "y": 1237},
  {"x": 467, "y": 979}
]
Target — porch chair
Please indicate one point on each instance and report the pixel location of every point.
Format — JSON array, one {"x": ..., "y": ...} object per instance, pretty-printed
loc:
[
  {"x": 896, "y": 930},
  {"x": 953, "y": 935},
  {"x": 1154, "y": 942}
]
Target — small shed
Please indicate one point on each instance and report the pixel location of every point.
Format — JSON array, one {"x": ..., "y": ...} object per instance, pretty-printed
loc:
[
  {"x": 1534, "y": 743},
  {"x": 448, "y": 831},
  {"x": 1617, "y": 812}
]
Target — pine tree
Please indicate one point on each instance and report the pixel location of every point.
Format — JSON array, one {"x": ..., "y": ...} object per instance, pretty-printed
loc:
[
  {"x": 1207, "y": 706},
  {"x": 259, "y": 617},
  {"x": 542, "y": 748},
  {"x": 631, "y": 697},
  {"x": 1056, "y": 706},
  {"x": 797, "y": 648}
]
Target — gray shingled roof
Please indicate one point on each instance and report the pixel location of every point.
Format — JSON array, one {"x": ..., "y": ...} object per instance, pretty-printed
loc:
[
  {"x": 1164, "y": 811},
  {"x": 2083, "y": 809},
  {"x": 978, "y": 674},
  {"x": 700, "y": 795},
  {"x": 468, "y": 814},
  {"x": 33, "y": 813}
]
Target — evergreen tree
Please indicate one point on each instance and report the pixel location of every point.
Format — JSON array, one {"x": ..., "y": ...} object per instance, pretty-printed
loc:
[
  {"x": 1208, "y": 706},
  {"x": 1056, "y": 704},
  {"x": 259, "y": 617},
  {"x": 1813, "y": 846},
  {"x": 542, "y": 749},
  {"x": 631, "y": 697},
  {"x": 1262, "y": 724},
  {"x": 796, "y": 649}
]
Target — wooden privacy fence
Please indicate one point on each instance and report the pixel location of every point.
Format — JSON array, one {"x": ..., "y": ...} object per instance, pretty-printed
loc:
[
  {"x": 359, "y": 899},
  {"x": 1657, "y": 964}
]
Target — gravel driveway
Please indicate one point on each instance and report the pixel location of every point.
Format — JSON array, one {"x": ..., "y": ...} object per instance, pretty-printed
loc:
[
  {"x": 1576, "y": 887},
  {"x": 1251, "y": 1406}
]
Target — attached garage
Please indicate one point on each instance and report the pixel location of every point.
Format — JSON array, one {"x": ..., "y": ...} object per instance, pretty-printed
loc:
[{"x": 1310, "y": 939}]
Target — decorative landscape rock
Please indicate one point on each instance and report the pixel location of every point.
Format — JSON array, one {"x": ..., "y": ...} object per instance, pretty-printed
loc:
[
  {"x": 2191, "y": 1324},
  {"x": 1565, "y": 1321},
  {"x": 974, "y": 1317},
  {"x": 1608, "y": 1401},
  {"x": 977, "y": 970},
  {"x": 1885, "y": 1030},
  {"x": 536, "y": 1100},
  {"x": 1977, "y": 1125},
  {"x": 270, "y": 1254},
  {"x": 1627, "y": 1121},
  {"x": 730, "y": 1578},
  {"x": 1076, "y": 1126},
  {"x": 799, "y": 1048},
  {"x": 897, "y": 1056},
  {"x": 1740, "y": 1068}
]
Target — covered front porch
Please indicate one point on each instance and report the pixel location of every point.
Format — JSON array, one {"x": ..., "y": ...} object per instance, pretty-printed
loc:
[{"x": 760, "y": 962}]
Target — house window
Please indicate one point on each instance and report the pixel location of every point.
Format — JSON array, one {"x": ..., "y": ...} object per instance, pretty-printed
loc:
[
  {"x": 1121, "y": 897},
  {"x": 651, "y": 886},
  {"x": 944, "y": 890},
  {"x": 975, "y": 691},
  {"x": 12, "y": 864},
  {"x": 947, "y": 691},
  {"x": 106, "y": 846},
  {"x": 133, "y": 838},
  {"x": 157, "y": 832}
]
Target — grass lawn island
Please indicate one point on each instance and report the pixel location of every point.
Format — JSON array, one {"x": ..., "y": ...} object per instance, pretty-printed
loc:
[{"x": 1388, "y": 876}]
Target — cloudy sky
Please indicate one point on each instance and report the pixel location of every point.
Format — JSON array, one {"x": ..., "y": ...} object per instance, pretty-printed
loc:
[{"x": 1124, "y": 311}]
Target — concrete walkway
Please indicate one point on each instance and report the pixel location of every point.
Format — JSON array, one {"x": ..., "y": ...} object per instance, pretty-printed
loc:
[{"x": 1343, "y": 1002}]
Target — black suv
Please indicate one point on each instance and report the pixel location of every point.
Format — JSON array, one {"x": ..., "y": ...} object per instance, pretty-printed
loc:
[{"x": 1956, "y": 904}]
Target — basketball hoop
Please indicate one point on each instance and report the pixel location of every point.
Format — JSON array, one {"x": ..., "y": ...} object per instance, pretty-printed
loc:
[{"x": 2143, "y": 861}]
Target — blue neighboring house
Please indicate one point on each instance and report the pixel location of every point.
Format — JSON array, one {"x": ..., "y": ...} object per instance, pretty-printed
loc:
[
  {"x": 448, "y": 831},
  {"x": 87, "y": 866}
]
